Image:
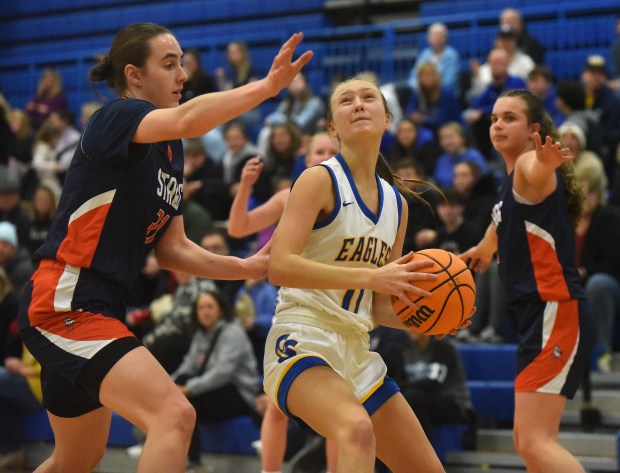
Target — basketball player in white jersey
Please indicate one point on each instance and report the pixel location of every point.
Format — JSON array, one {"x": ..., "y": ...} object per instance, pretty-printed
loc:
[{"x": 337, "y": 255}]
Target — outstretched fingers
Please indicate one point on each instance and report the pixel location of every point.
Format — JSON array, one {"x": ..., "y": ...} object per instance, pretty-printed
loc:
[
  {"x": 283, "y": 69},
  {"x": 551, "y": 150}
]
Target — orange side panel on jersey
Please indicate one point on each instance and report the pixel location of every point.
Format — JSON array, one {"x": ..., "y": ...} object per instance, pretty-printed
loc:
[
  {"x": 86, "y": 326},
  {"x": 45, "y": 280},
  {"x": 80, "y": 251},
  {"x": 547, "y": 270},
  {"x": 547, "y": 365}
]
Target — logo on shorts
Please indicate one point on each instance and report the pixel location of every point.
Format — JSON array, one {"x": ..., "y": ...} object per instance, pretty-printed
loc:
[
  {"x": 285, "y": 348},
  {"x": 69, "y": 323},
  {"x": 557, "y": 352}
]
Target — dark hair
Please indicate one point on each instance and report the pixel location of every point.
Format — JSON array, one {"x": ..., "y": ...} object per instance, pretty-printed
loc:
[
  {"x": 130, "y": 46},
  {"x": 572, "y": 94},
  {"x": 452, "y": 197},
  {"x": 541, "y": 71},
  {"x": 303, "y": 97},
  {"x": 409, "y": 162},
  {"x": 194, "y": 147},
  {"x": 66, "y": 115},
  {"x": 535, "y": 113},
  {"x": 196, "y": 53},
  {"x": 276, "y": 157},
  {"x": 227, "y": 314},
  {"x": 239, "y": 126}
]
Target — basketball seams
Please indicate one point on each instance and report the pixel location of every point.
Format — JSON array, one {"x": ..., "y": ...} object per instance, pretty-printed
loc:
[{"x": 445, "y": 262}]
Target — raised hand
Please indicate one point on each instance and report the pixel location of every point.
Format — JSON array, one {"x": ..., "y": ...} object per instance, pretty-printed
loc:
[
  {"x": 251, "y": 171},
  {"x": 283, "y": 69},
  {"x": 551, "y": 152}
]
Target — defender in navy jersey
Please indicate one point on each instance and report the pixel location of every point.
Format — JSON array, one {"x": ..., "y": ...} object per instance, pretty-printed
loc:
[
  {"x": 122, "y": 198},
  {"x": 532, "y": 233},
  {"x": 336, "y": 254}
]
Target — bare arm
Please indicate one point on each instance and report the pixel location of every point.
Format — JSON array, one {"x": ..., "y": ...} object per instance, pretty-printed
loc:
[
  {"x": 535, "y": 176},
  {"x": 288, "y": 268},
  {"x": 176, "y": 252},
  {"x": 242, "y": 222},
  {"x": 203, "y": 113}
]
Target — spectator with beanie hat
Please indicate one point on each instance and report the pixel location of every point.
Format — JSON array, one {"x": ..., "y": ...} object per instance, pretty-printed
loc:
[
  {"x": 14, "y": 259},
  {"x": 603, "y": 101},
  {"x": 10, "y": 200}
]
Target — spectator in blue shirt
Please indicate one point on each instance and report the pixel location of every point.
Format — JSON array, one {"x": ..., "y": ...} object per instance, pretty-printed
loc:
[
  {"x": 453, "y": 142},
  {"x": 440, "y": 53},
  {"x": 432, "y": 104},
  {"x": 478, "y": 115},
  {"x": 540, "y": 83}
]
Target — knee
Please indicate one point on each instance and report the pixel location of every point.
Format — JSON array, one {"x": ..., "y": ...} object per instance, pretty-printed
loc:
[
  {"x": 527, "y": 446},
  {"x": 357, "y": 434},
  {"x": 177, "y": 417},
  {"x": 184, "y": 417}
]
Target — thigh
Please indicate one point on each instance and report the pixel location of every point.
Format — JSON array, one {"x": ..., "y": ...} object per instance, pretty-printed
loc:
[
  {"x": 80, "y": 440},
  {"x": 323, "y": 400},
  {"x": 139, "y": 389},
  {"x": 294, "y": 348},
  {"x": 537, "y": 415},
  {"x": 401, "y": 442}
]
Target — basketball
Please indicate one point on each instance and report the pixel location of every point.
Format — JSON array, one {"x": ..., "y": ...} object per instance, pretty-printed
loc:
[{"x": 452, "y": 295}]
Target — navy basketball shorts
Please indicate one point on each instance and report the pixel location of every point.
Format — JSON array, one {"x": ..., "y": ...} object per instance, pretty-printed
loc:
[{"x": 76, "y": 349}]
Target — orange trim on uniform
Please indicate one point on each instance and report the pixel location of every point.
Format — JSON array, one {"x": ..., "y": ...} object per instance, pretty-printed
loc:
[
  {"x": 45, "y": 280},
  {"x": 557, "y": 351},
  {"x": 547, "y": 270},
  {"x": 85, "y": 326},
  {"x": 80, "y": 250}
]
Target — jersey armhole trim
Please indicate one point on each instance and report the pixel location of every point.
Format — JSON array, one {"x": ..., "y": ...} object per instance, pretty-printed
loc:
[{"x": 330, "y": 218}]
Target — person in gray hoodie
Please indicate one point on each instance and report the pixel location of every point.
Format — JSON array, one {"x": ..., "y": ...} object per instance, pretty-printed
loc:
[{"x": 219, "y": 373}]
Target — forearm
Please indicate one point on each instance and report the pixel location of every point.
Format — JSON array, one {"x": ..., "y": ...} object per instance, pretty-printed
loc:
[
  {"x": 238, "y": 217},
  {"x": 488, "y": 244},
  {"x": 293, "y": 270},
  {"x": 537, "y": 172},
  {"x": 382, "y": 312},
  {"x": 188, "y": 257},
  {"x": 205, "y": 112},
  {"x": 201, "y": 114}
]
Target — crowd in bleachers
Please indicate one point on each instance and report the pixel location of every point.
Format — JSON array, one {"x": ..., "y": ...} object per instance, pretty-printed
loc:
[{"x": 441, "y": 137}]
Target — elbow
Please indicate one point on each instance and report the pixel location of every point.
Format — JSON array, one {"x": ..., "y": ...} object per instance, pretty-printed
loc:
[
  {"x": 275, "y": 273},
  {"x": 235, "y": 232}
]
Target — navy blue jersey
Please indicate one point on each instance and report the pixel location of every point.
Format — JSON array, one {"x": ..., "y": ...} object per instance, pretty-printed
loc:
[
  {"x": 536, "y": 246},
  {"x": 118, "y": 198}
]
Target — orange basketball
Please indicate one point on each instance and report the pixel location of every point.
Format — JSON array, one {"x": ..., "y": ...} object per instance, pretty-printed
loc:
[{"x": 452, "y": 295}]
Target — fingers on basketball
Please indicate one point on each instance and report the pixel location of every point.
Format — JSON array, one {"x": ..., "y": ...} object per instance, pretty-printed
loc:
[{"x": 452, "y": 295}]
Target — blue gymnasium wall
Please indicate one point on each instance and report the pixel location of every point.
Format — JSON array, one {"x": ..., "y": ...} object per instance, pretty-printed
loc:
[{"x": 67, "y": 33}]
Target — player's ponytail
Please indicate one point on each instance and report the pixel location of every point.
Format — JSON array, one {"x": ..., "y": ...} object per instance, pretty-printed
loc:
[{"x": 130, "y": 46}]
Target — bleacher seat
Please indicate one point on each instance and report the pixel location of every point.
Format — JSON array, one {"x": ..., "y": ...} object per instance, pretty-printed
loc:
[
  {"x": 489, "y": 362},
  {"x": 490, "y": 371},
  {"x": 493, "y": 400}
]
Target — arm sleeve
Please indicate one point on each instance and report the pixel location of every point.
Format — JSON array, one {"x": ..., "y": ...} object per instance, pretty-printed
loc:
[{"x": 107, "y": 137}]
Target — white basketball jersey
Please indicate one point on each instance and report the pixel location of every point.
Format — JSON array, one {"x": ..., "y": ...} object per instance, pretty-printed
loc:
[{"x": 352, "y": 236}]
